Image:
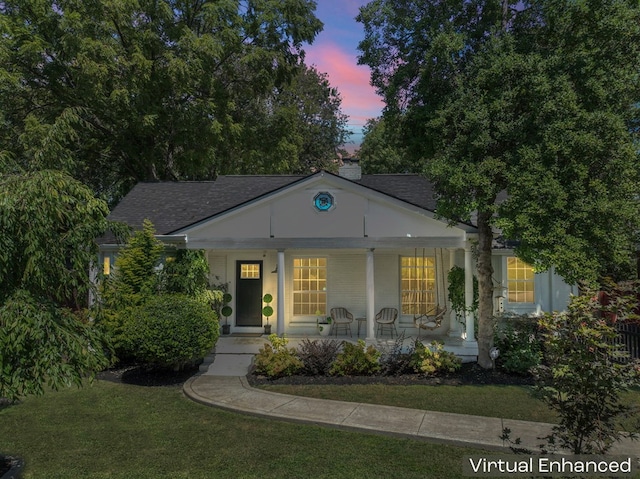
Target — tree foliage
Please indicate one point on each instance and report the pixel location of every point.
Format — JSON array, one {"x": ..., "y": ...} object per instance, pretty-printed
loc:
[
  {"x": 49, "y": 223},
  {"x": 43, "y": 345},
  {"x": 123, "y": 91},
  {"x": 379, "y": 153},
  {"x": 537, "y": 100}
]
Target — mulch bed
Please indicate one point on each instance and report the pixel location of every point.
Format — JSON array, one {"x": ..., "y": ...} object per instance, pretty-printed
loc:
[{"x": 468, "y": 374}]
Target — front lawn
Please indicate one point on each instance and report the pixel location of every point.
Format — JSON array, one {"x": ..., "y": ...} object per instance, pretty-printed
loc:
[{"x": 111, "y": 430}]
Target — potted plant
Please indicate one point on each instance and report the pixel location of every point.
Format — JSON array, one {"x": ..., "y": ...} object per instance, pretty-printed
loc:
[
  {"x": 323, "y": 324},
  {"x": 267, "y": 311},
  {"x": 226, "y": 312}
]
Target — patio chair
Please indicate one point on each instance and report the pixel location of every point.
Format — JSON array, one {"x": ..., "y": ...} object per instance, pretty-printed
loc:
[
  {"x": 386, "y": 318},
  {"x": 341, "y": 318}
]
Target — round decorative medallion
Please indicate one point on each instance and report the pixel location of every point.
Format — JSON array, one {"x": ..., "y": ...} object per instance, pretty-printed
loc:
[{"x": 323, "y": 201}]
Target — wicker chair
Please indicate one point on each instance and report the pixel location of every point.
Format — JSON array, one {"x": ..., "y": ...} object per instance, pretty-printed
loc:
[
  {"x": 386, "y": 318},
  {"x": 431, "y": 320},
  {"x": 341, "y": 318}
]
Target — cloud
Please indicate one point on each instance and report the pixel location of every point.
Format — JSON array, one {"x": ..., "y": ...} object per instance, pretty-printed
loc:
[{"x": 359, "y": 99}]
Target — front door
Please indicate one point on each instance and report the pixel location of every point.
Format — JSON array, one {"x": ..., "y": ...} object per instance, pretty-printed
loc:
[{"x": 249, "y": 293}]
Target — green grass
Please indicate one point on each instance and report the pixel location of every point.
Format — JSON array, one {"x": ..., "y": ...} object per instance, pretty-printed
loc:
[
  {"x": 108, "y": 430},
  {"x": 508, "y": 402}
]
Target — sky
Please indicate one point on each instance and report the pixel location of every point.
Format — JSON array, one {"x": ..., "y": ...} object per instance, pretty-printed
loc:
[{"x": 335, "y": 52}]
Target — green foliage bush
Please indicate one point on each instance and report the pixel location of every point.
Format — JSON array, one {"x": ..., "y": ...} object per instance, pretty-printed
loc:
[
  {"x": 519, "y": 345},
  {"x": 356, "y": 360},
  {"x": 172, "y": 330},
  {"x": 318, "y": 355},
  {"x": 42, "y": 345},
  {"x": 433, "y": 359},
  {"x": 584, "y": 374},
  {"x": 275, "y": 360}
]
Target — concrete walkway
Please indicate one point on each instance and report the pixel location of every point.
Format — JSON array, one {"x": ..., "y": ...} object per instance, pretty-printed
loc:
[{"x": 223, "y": 384}]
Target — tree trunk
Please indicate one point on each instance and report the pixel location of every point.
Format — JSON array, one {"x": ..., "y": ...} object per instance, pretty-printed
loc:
[{"x": 485, "y": 289}]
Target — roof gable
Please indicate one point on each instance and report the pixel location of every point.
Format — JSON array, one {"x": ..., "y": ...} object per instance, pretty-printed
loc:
[{"x": 176, "y": 206}]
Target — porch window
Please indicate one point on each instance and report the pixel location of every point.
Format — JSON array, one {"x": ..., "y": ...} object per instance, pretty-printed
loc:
[
  {"x": 520, "y": 281},
  {"x": 309, "y": 286},
  {"x": 418, "y": 284}
]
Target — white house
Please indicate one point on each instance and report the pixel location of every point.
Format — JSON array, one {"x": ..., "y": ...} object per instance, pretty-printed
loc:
[{"x": 315, "y": 242}]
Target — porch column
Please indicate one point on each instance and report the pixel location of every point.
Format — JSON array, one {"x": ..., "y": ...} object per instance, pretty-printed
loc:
[
  {"x": 468, "y": 295},
  {"x": 454, "y": 325},
  {"x": 280, "y": 312},
  {"x": 371, "y": 332}
]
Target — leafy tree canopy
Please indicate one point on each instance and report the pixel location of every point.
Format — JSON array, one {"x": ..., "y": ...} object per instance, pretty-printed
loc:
[
  {"x": 534, "y": 101},
  {"x": 49, "y": 224},
  {"x": 122, "y": 91}
]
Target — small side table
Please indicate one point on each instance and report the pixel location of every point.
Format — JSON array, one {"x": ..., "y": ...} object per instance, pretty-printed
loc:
[{"x": 360, "y": 321}]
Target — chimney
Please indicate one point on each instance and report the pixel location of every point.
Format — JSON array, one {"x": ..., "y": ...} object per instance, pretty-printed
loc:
[{"x": 350, "y": 169}]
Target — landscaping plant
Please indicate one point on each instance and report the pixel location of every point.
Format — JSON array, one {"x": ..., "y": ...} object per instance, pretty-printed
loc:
[
  {"x": 172, "y": 331},
  {"x": 396, "y": 360},
  {"x": 318, "y": 355},
  {"x": 519, "y": 345},
  {"x": 276, "y": 360},
  {"x": 433, "y": 359},
  {"x": 584, "y": 374},
  {"x": 356, "y": 360}
]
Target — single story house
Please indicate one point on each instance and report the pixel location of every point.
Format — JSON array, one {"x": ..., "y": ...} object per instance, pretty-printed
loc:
[{"x": 319, "y": 241}]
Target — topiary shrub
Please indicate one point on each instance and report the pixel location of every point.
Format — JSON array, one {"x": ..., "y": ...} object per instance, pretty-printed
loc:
[
  {"x": 318, "y": 355},
  {"x": 433, "y": 359},
  {"x": 172, "y": 330},
  {"x": 275, "y": 360},
  {"x": 356, "y": 360}
]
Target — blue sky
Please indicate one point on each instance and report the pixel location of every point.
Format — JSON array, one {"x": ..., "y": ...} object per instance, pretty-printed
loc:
[{"x": 335, "y": 52}]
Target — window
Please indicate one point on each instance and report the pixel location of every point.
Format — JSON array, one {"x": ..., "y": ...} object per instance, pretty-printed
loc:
[
  {"x": 418, "y": 284},
  {"x": 249, "y": 271},
  {"x": 520, "y": 281},
  {"x": 108, "y": 262},
  {"x": 309, "y": 286}
]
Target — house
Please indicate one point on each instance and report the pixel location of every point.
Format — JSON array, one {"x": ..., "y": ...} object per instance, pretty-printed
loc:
[{"x": 322, "y": 240}]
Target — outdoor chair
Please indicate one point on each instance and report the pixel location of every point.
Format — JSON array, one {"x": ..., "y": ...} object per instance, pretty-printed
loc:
[
  {"x": 386, "y": 318},
  {"x": 431, "y": 320},
  {"x": 341, "y": 318}
]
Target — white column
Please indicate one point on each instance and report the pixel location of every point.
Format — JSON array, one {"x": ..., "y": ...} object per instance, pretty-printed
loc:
[
  {"x": 454, "y": 325},
  {"x": 371, "y": 332},
  {"x": 468, "y": 294},
  {"x": 280, "y": 312}
]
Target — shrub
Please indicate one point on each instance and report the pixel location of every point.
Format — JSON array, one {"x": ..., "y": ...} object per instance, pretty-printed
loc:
[
  {"x": 433, "y": 359},
  {"x": 356, "y": 360},
  {"x": 397, "y": 360},
  {"x": 275, "y": 360},
  {"x": 44, "y": 346},
  {"x": 519, "y": 345},
  {"x": 318, "y": 355},
  {"x": 172, "y": 330},
  {"x": 584, "y": 375}
]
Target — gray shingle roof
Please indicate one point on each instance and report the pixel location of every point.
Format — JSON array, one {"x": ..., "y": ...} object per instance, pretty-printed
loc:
[{"x": 174, "y": 205}]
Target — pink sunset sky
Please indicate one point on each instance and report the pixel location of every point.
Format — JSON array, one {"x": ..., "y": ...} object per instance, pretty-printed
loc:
[{"x": 335, "y": 52}]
